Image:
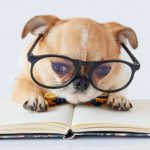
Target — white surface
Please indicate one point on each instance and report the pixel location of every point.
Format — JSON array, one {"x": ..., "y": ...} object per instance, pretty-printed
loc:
[
  {"x": 14, "y": 14},
  {"x": 78, "y": 144}
]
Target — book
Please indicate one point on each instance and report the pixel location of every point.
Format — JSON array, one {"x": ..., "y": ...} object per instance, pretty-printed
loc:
[{"x": 69, "y": 121}]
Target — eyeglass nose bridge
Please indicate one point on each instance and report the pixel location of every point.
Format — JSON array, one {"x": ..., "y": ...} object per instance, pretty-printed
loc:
[{"x": 83, "y": 69}]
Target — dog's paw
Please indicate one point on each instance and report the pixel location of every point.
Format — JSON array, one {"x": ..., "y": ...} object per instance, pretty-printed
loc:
[
  {"x": 118, "y": 102},
  {"x": 38, "y": 104}
]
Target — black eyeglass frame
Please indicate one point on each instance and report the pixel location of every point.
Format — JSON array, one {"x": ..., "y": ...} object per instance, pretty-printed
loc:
[{"x": 78, "y": 63}]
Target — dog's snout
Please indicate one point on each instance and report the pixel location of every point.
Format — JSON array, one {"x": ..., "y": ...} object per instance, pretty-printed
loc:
[{"x": 81, "y": 84}]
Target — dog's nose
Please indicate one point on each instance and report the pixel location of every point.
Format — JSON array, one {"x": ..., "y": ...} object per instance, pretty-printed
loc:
[{"x": 81, "y": 84}]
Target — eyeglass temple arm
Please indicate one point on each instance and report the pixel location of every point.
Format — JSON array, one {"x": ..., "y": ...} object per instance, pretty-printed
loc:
[
  {"x": 130, "y": 54},
  {"x": 34, "y": 44},
  {"x": 122, "y": 44}
]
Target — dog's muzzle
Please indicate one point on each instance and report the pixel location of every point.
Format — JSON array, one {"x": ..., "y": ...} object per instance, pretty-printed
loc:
[{"x": 81, "y": 84}]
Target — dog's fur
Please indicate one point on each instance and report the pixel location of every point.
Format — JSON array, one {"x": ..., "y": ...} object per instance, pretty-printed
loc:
[{"x": 78, "y": 38}]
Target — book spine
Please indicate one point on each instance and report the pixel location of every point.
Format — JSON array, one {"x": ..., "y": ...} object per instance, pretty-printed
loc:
[{"x": 70, "y": 135}]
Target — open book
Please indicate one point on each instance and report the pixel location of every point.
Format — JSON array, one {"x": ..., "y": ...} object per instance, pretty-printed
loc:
[{"x": 69, "y": 121}]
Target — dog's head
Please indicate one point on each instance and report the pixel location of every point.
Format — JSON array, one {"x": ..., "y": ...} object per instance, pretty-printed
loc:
[{"x": 78, "y": 38}]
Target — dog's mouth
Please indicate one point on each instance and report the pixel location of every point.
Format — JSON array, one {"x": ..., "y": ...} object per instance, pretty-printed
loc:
[
  {"x": 75, "y": 96},
  {"x": 79, "y": 92}
]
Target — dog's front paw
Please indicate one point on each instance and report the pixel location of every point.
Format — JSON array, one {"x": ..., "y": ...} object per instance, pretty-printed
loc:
[
  {"x": 38, "y": 104},
  {"x": 119, "y": 102}
]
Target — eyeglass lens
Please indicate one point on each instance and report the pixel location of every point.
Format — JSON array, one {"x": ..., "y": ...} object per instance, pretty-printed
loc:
[{"x": 56, "y": 71}]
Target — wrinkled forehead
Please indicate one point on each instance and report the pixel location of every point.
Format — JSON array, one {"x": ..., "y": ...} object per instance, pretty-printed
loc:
[{"x": 83, "y": 40}]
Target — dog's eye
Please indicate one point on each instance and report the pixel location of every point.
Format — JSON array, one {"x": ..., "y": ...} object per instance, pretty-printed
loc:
[
  {"x": 60, "y": 68},
  {"x": 103, "y": 70}
]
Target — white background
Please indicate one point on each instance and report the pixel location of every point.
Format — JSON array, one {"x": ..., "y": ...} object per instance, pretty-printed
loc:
[{"x": 15, "y": 13}]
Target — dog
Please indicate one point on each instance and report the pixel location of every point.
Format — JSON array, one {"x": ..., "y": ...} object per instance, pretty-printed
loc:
[{"x": 77, "y": 38}]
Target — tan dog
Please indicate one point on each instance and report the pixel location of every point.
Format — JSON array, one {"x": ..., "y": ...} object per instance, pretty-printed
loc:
[{"x": 77, "y": 38}]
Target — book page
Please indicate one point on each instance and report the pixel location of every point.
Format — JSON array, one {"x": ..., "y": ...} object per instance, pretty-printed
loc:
[
  {"x": 14, "y": 116},
  {"x": 92, "y": 118}
]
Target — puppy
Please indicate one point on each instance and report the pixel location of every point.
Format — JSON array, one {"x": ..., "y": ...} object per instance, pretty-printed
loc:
[{"x": 77, "y": 38}]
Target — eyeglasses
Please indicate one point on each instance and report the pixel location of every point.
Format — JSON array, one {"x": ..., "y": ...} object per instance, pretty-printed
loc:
[{"x": 57, "y": 71}]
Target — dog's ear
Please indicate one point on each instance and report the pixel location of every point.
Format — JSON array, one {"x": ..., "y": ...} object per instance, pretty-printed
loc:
[
  {"x": 39, "y": 25},
  {"x": 121, "y": 33}
]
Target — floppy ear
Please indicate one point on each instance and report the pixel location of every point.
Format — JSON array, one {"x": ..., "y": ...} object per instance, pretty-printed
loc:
[
  {"x": 39, "y": 25},
  {"x": 121, "y": 33}
]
